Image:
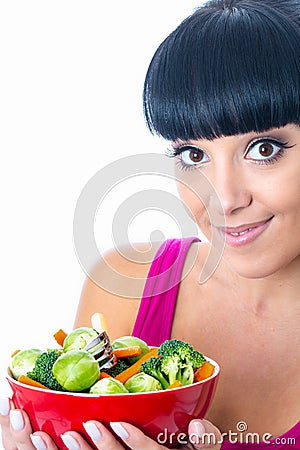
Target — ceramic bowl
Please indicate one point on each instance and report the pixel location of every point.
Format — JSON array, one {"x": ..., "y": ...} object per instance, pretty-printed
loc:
[{"x": 162, "y": 415}]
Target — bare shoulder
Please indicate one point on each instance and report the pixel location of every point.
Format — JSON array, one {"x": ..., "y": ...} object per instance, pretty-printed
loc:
[{"x": 114, "y": 287}]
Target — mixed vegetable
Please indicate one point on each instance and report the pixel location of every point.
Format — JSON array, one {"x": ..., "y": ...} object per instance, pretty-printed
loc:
[{"x": 137, "y": 367}]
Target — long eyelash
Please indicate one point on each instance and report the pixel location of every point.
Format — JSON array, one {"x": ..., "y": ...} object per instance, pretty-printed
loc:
[
  {"x": 272, "y": 141},
  {"x": 173, "y": 152}
]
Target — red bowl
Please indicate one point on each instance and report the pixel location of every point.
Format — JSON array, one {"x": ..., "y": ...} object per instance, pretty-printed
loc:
[{"x": 162, "y": 415}]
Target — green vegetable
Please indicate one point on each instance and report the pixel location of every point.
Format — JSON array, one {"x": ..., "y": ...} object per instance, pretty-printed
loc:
[
  {"x": 141, "y": 382},
  {"x": 184, "y": 350},
  {"x": 177, "y": 361},
  {"x": 42, "y": 371},
  {"x": 79, "y": 338},
  {"x": 24, "y": 361},
  {"x": 131, "y": 341},
  {"x": 117, "y": 368},
  {"x": 108, "y": 386},
  {"x": 152, "y": 367},
  {"x": 76, "y": 370}
]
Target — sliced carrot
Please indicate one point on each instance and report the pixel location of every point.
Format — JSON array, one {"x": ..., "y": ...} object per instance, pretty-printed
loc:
[
  {"x": 14, "y": 353},
  {"x": 205, "y": 371},
  {"x": 176, "y": 384},
  {"x": 60, "y": 336},
  {"x": 135, "y": 368},
  {"x": 128, "y": 352},
  {"x": 26, "y": 380},
  {"x": 104, "y": 375}
]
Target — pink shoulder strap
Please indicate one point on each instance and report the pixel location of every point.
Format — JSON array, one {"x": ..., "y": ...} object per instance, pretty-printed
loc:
[{"x": 155, "y": 315}]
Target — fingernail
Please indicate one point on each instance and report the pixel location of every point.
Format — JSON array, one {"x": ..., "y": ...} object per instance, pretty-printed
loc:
[
  {"x": 38, "y": 442},
  {"x": 4, "y": 406},
  {"x": 70, "y": 442},
  {"x": 198, "y": 428},
  {"x": 92, "y": 431},
  {"x": 119, "y": 430},
  {"x": 16, "y": 420}
]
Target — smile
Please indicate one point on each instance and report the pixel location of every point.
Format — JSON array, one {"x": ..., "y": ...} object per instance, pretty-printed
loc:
[
  {"x": 244, "y": 234},
  {"x": 241, "y": 232}
]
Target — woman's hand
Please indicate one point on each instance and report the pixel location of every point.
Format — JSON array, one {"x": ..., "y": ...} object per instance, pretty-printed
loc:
[{"x": 17, "y": 434}]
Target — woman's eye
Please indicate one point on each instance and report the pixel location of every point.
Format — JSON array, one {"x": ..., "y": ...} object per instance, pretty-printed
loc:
[
  {"x": 191, "y": 156},
  {"x": 264, "y": 150}
]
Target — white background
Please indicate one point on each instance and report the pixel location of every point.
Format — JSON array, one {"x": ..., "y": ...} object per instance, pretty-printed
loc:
[{"x": 70, "y": 103}]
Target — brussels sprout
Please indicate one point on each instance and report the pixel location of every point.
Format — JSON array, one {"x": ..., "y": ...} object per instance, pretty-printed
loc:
[
  {"x": 131, "y": 341},
  {"x": 79, "y": 338},
  {"x": 76, "y": 370},
  {"x": 24, "y": 361},
  {"x": 108, "y": 386},
  {"x": 141, "y": 382}
]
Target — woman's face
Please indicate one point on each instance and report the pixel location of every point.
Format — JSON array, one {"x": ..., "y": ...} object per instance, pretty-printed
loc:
[{"x": 246, "y": 190}]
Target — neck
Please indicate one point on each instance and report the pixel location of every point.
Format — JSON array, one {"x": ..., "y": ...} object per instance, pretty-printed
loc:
[{"x": 277, "y": 292}]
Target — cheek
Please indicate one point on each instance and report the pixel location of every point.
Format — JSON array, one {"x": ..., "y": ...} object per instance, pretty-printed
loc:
[
  {"x": 284, "y": 201},
  {"x": 196, "y": 209}
]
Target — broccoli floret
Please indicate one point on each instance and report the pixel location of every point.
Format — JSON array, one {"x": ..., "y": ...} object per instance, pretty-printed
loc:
[
  {"x": 176, "y": 347},
  {"x": 117, "y": 368},
  {"x": 42, "y": 371},
  {"x": 152, "y": 367},
  {"x": 183, "y": 350},
  {"x": 177, "y": 360},
  {"x": 197, "y": 360},
  {"x": 171, "y": 367}
]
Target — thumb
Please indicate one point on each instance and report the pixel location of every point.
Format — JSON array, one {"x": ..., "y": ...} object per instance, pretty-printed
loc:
[{"x": 204, "y": 435}]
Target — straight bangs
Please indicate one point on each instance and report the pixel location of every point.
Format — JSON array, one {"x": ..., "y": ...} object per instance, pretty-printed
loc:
[{"x": 225, "y": 72}]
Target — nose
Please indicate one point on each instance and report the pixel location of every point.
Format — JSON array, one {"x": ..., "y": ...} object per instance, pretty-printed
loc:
[{"x": 231, "y": 190}]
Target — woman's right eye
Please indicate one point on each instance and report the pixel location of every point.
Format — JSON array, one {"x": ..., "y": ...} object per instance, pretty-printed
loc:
[{"x": 190, "y": 155}]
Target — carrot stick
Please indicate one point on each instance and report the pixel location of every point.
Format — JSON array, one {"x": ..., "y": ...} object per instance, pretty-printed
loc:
[
  {"x": 135, "y": 368},
  {"x": 60, "y": 336},
  {"x": 104, "y": 375},
  {"x": 127, "y": 352},
  {"x": 176, "y": 384},
  {"x": 14, "y": 353},
  {"x": 205, "y": 371},
  {"x": 26, "y": 380}
]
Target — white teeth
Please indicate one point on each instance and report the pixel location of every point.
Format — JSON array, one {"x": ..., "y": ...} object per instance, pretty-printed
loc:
[{"x": 241, "y": 232}]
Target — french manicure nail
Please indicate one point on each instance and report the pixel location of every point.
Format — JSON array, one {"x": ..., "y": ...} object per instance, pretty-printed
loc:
[
  {"x": 4, "y": 406},
  {"x": 16, "y": 420},
  {"x": 70, "y": 442},
  {"x": 199, "y": 428},
  {"x": 119, "y": 430},
  {"x": 92, "y": 431},
  {"x": 38, "y": 442}
]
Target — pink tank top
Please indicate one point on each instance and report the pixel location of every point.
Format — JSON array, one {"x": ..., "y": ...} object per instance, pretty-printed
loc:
[{"x": 155, "y": 316}]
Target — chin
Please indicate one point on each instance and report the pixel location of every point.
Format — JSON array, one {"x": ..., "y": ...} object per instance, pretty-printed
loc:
[{"x": 251, "y": 272}]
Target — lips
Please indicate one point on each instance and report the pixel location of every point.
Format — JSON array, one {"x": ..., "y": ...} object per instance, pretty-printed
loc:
[{"x": 244, "y": 234}]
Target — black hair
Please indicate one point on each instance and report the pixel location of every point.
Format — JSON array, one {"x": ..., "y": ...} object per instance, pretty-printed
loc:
[{"x": 231, "y": 67}]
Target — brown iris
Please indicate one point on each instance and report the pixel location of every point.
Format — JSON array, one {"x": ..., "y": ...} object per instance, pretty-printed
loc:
[
  {"x": 196, "y": 155},
  {"x": 266, "y": 149}
]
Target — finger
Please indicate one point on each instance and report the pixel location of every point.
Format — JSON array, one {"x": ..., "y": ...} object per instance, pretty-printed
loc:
[
  {"x": 134, "y": 438},
  {"x": 20, "y": 430},
  {"x": 7, "y": 440},
  {"x": 41, "y": 441},
  {"x": 74, "y": 441},
  {"x": 204, "y": 435},
  {"x": 101, "y": 436}
]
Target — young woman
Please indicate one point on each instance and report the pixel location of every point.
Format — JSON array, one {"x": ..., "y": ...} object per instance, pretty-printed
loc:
[{"x": 224, "y": 90}]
